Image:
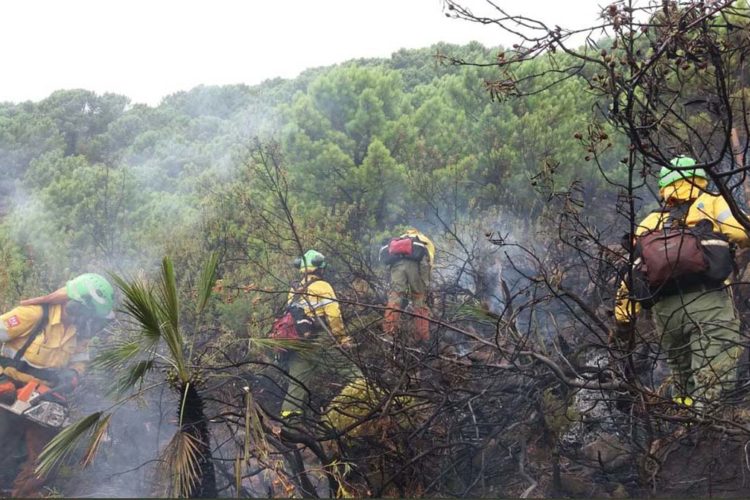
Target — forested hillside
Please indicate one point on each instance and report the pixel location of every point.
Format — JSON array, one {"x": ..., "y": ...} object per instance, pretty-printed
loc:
[
  {"x": 93, "y": 182},
  {"x": 527, "y": 167}
]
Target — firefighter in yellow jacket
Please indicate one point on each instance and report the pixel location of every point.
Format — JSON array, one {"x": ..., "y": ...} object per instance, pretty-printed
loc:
[
  {"x": 698, "y": 324},
  {"x": 410, "y": 273},
  {"x": 45, "y": 339},
  {"x": 326, "y": 336}
]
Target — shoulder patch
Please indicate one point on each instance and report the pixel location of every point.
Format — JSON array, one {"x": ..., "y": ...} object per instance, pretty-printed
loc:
[{"x": 12, "y": 322}]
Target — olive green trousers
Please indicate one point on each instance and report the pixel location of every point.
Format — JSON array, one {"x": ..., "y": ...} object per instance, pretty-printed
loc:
[
  {"x": 410, "y": 280},
  {"x": 317, "y": 372},
  {"x": 701, "y": 335}
]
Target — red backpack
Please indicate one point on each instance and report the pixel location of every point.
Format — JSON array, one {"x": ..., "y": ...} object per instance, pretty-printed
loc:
[
  {"x": 294, "y": 324},
  {"x": 285, "y": 328},
  {"x": 403, "y": 247}
]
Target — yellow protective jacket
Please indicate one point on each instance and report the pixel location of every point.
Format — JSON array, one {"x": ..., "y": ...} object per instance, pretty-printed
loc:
[
  {"x": 317, "y": 298},
  {"x": 706, "y": 206},
  {"x": 55, "y": 347},
  {"x": 424, "y": 239}
]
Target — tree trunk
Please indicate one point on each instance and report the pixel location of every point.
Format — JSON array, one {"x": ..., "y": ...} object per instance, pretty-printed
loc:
[{"x": 194, "y": 423}]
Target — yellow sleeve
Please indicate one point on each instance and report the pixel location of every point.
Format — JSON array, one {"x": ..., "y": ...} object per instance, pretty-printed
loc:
[
  {"x": 652, "y": 221},
  {"x": 321, "y": 301},
  {"x": 430, "y": 247},
  {"x": 626, "y": 310},
  {"x": 19, "y": 321},
  {"x": 727, "y": 223}
]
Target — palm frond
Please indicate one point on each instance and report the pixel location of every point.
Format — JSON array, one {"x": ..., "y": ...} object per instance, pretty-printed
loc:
[
  {"x": 301, "y": 346},
  {"x": 238, "y": 475},
  {"x": 97, "y": 437},
  {"x": 478, "y": 313},
  {"x": 168, "y": 288},
  {"x": 255, "y": 437},
  {"x": 139, "y": 304},
  {"x": 181, "y": 458},
  {"x": 132, "y": 377},
  {"x": 117, "y": 356},
  {"x": 170, "y": 311},
  {"x": 206, "y": 283},
  {"x": 65, "y": 443}
]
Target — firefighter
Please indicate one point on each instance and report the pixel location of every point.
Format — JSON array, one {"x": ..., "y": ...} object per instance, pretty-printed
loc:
[
  {"x": 410, "y": 258},
  {"x": 694, "y": 313},
  {"x": 45, "y": 339},
  {"x": 326, "y": 336}
]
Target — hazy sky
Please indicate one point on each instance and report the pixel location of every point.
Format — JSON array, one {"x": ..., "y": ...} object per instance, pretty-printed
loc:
[{"x": 146, "y": 49}]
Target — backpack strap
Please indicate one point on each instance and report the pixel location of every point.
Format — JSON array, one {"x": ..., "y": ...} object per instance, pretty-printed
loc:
[
  {"x": 301, "y": 289},
  {"x": 676, "y": 214},
  {"x": 39, "y": 328}
]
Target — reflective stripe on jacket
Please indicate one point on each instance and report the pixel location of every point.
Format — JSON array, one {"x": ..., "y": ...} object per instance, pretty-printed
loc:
[{"x": 706, "y": 206}]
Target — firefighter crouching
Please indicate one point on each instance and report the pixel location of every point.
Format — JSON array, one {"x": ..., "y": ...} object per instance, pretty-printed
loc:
[
  {"x": 683, "y": 258},
  {"x": 409, "y": 259},
  {"x": 44, "y": 344}
]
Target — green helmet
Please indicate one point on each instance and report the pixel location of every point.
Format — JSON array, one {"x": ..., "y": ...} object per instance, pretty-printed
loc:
[
  {"x": 311, "y": 261},
  {"x": 668, "y": 175},
  {"x": 92, "y": 291}
]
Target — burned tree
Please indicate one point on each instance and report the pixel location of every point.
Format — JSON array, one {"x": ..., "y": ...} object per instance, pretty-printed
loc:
[{"x": 669, "y": 80}]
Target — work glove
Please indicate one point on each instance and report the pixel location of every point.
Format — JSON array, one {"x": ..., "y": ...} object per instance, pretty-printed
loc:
[
  {"x": 346, "y": 342},
  {"x": 7, "y": 390},
  {"x": 621, "y": 332}
]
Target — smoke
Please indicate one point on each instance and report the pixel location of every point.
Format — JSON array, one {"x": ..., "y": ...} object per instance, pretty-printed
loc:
[
  {"x": 31, "y": 227},
  {"x": 127, "y": 464},
  {"x": 476, "y": 251},
  {"x": 153, "y": 200}
]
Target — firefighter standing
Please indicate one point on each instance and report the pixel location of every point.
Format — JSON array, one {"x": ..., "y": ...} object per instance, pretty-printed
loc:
[
  {"x": 315, "y": 296},
  {"x": 698, "y": 324},
  {"x": 45, "y": 339},
  {"x": 410, "y": 259}
]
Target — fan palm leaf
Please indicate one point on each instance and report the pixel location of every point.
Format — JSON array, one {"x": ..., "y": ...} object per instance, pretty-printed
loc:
[
  {"x": 181, "y": 463},
  {"x": 117, "y": 357},
  {"x": 155, "y": 310},
  {"x": 169, "y": 311},
  {"x": 206, "y": 281},
  {"x": 66, "y": 442},
  {"x": 131, "y": 377},
  {"x": 139, "y": 304},
  {"x": 97, "y": 437}
]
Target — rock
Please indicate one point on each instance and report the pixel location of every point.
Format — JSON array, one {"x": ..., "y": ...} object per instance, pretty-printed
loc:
[{"x": 608, "y": 451}]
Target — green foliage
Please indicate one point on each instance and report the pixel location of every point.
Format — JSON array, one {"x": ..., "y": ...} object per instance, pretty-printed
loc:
[
  {"x": 363, "y": 149},
  {"x": 367, "y": 143},
  {"x": 156, "y": 312},
  {"x": 345, "y": 156}
]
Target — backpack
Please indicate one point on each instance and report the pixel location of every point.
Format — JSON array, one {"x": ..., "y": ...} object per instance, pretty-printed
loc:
[
  {"x": 294, "y": 324},
  {"x": 403, "y": 247},
  {"x": 677, "y": 257}
]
